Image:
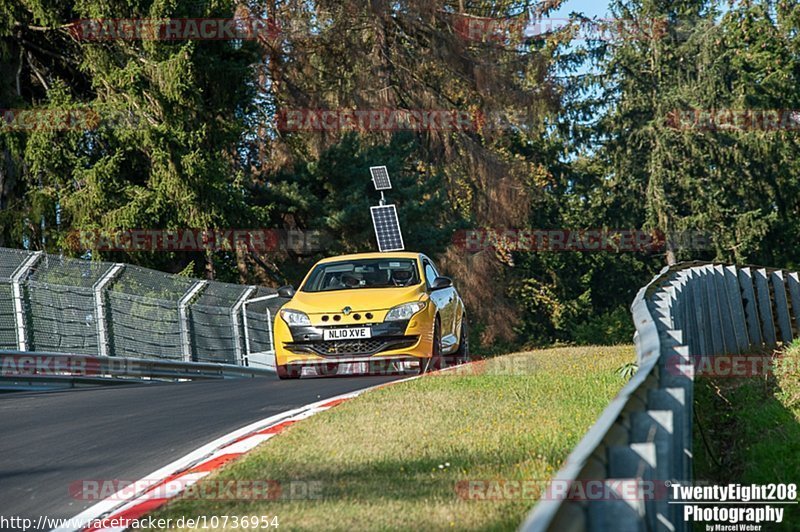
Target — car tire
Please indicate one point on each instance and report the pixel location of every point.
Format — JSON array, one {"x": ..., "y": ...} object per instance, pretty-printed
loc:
[
  {"x": 286, "y": 372},
  {"x": 426, "y": 365}
]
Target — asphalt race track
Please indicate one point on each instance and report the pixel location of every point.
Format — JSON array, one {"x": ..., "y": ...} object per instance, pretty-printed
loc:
[{"x": 50, "y": 440}]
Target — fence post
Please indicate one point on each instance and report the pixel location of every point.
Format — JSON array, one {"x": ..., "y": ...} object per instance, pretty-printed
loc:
[
  {"x": 706, "y": 346},
  {"x": 737, "y": 309},
  {"x": 781, "y": 306},
  {"x": 750, "y": 307},
  {"x": 183, "y": 315},
  {"x": 765, "y": 307},
  {"x": 16, "y": 286},
  {"x": 711, "y": 306},
  {"x": 724, "y": 306},
  {"x": 246, "y": 361},
  {"x": 100, "y": 308},
  {"x": 237, "y": 336},
  {"x": 657, "y": 427},
  {"x": 794, "y": 292}
]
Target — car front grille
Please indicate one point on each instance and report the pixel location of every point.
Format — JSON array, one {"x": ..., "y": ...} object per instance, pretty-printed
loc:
[{"x": 362, "y": 347}]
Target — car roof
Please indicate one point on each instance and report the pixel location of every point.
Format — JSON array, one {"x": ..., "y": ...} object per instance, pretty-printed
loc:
[{"x": 361, "y": 256}]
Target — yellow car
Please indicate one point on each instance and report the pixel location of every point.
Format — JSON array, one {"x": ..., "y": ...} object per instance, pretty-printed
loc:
[{"x": 391, "y": 310}]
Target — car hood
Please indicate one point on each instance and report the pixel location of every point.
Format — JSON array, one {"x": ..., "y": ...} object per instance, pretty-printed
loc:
[{"x": 360, "y": 300}]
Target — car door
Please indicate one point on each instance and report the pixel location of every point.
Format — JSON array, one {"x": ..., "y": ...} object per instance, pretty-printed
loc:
[{"x": 445, "y": 301}]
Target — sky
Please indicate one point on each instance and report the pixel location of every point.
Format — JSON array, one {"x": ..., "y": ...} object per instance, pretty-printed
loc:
[{"x": 591, "y": 8}]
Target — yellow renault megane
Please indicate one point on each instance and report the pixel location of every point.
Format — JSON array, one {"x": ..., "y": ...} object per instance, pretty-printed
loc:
[{"x": 388, "y": 309}]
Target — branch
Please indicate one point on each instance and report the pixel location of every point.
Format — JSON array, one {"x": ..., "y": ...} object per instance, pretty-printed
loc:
[
  {"x": 19, "y": 71},
  {"x": 43, "y": 28},
  {"x": 38, "y": 74}
]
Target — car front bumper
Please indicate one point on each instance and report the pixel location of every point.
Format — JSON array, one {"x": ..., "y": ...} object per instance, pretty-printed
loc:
[{"x": 390, "y": 341}]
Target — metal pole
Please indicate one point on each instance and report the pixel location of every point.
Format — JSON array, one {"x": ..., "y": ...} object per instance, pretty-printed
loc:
[
  {"x": 246, "y": 359},
  {"x": 262, "y": 298},
  {"x": 100, "y": 308},
  {"x": 183, "y": 315},
  {"x": 269, "y": 331},
  {"x": 237, "y": 337},
  {"x": 16, "y": 287}
]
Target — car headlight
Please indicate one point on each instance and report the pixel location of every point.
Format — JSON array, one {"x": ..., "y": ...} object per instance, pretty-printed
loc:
[
  {"x": 295, "y": 317},
  {"x": 404, "y": 311}
]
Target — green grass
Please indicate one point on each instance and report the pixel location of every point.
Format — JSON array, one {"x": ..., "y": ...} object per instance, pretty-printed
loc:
[
  {"x": 752, "y": 429},
  {"x": 380, "y": 459}
]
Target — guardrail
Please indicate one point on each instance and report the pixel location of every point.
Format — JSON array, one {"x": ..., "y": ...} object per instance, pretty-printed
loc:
[
  {"x": 644, "y": 437},
  {"x": 20, "y": 370}
]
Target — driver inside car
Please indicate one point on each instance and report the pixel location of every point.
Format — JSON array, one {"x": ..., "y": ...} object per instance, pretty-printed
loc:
[
  {"x": 402, "y": 277},
  {"x": 350, "y": 280}
]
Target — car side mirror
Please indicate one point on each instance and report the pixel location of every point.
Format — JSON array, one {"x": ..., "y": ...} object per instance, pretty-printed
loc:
[
  {"x": 441, "y": 283},
  {"x": 287, "y": 292}
]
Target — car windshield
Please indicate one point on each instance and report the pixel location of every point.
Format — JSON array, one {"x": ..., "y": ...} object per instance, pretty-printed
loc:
[{"x": 367, "y": 273}]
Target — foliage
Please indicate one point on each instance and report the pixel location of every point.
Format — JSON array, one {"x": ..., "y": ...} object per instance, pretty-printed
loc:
[
  {"x": 746, "y": 428},
  {"x": 566, "y": 134},
  {"x": 612, "y": 328}
]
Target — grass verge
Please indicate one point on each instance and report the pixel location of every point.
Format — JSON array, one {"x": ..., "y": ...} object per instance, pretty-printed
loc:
[
  {"x": 393, "y": 458},
  {"x": 747, "y": 430}
]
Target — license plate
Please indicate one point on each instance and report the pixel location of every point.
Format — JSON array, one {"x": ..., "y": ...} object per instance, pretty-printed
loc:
[{"x": 347, "y": 334}]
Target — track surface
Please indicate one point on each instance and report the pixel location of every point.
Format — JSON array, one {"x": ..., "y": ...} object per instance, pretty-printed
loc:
[{"x": 50, "y": 440}]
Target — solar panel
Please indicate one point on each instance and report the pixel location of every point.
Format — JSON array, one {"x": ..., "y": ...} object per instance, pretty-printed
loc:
[
  {"x": 380, "y": 177},
  {"x": 387, "y": 228}
]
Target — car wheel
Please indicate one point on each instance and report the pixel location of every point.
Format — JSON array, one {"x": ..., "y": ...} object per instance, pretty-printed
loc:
[
  {"x": 426, "y": 365},
  {"x": 286, "y": 372}
]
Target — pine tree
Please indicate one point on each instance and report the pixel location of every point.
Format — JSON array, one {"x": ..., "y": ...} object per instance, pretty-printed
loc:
[{"x": 163, "y": 150}]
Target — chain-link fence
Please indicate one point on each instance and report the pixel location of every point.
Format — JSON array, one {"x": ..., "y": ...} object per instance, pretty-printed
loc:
[
  {"x": 217, "y": 324},
  {"x": 56, "y": 304},
  {"x": 62, "y": 313},
  {"x": 256, "y": 314},
  {"x": 11, "y": 264}
]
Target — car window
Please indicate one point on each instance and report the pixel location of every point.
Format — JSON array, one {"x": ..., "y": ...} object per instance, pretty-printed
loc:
[
  {"x": 365, "y": 273},
  {"x": 430, "y": 273}
]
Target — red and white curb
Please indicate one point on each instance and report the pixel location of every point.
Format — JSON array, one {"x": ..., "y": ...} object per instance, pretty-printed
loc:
[{"x": 170, "y": 481}]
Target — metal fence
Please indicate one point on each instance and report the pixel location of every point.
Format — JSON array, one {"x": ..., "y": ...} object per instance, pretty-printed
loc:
[
  {"x": 687, "y": 313},
  {"x": 56, "y": 304}
]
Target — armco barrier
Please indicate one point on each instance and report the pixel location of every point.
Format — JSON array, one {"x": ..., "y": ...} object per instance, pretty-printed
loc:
[
  {"x": 645, "y": 434},
  {"x": 20, "y": 370}
]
